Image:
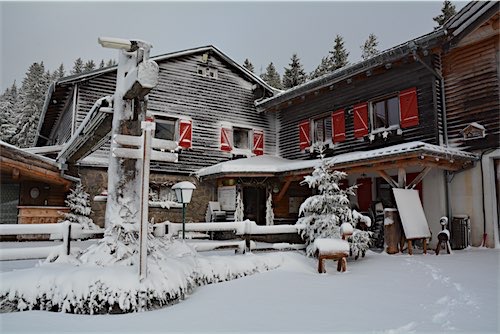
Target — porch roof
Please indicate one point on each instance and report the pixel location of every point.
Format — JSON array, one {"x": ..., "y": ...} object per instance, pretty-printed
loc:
[
  {"x": 17, "y": 164},
  {"x": 402, "y": 155}
]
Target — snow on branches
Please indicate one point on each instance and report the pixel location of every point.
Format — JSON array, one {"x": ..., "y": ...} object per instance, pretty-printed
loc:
[
  {"x": 78, "y": 202},
  {"x": 324, "y": 213}
]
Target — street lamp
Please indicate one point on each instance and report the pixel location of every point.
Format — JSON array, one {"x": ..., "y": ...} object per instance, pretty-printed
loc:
[{"x": 184, "y": 192}]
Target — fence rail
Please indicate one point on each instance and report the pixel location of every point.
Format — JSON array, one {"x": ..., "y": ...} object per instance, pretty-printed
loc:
[{"x": 64, "y": 231}]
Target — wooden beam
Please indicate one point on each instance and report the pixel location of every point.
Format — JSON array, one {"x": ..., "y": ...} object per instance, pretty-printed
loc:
[
  {"x": 389, "y": 179},
  {"x": 35, "y": 171},
  {"x": 419, "y": 177},
  {"x": 401, "y": 177},
  {"x": 15, "y": 174},
  {"x": 284, "y": 190}
]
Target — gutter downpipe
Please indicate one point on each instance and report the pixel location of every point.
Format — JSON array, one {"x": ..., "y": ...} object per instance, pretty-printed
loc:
[{"x": 438, "y": 75}]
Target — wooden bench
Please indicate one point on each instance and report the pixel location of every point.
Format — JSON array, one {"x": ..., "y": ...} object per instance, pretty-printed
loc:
[{"x": 332, "y": 249}]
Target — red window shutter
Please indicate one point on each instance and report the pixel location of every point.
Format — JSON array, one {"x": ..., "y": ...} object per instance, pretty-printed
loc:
[
  {"x": 304, "y": 135},
  {"x": 225, "y": 139},
  {"x": 185, "y": 133},
  {"x": 258, "y": 142},
  {"x": 338, "y": 123},
  {"x": 408, "y": 108},
  {"x": 361, "y": 120}
]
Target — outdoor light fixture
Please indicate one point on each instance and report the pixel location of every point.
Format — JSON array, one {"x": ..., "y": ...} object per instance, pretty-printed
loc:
[
  {"x": 115, "y": 43},
  {"x": 184, "y": 192}
]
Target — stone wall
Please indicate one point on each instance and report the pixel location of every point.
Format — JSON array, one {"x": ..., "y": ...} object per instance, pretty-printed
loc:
[{"x": 95, "y": 181}]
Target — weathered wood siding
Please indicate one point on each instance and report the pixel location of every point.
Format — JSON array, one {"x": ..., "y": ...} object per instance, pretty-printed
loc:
[
  {"x": 345, "y": 95},
  {"x": 207, "y": 101},
  {"x": 472, "y": 92}
]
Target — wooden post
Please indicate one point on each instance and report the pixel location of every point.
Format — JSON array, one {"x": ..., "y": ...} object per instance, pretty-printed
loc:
[
  {"x": 410, "y": 249},
  {"x": 147, "y": 131},
  {"x": 66, "y": 232}
]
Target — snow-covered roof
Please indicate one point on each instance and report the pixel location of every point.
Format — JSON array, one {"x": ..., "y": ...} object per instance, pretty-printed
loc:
[
  {"x": 411, "y": 147},
  {"x": 268, "y": 164},
  {"x": 468, "y": 15},
  {"x": 24, "y": 153},
  {"x": 263, "y": 164}
]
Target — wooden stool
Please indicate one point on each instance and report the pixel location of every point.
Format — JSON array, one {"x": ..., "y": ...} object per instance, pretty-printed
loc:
[
  {"x": 333, "y": 249},
  {"x": 341, "y": 259}
]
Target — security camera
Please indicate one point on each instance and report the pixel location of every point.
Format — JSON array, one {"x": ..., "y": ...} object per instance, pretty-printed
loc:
[
  {"x": 443, "y": 221},
  {"x": 115, "y": 43}
]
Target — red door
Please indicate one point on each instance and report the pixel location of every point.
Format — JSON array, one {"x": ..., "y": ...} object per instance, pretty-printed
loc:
[{"x": 364, "y": 193}]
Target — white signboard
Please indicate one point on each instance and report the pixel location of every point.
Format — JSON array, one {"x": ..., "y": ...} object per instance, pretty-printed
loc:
[
  {"x": 411, "y": 213},
  {"x": 227, "y": 198}
]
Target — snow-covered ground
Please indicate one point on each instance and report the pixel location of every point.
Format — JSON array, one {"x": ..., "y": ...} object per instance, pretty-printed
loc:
[{"x": 379, "y": 293}]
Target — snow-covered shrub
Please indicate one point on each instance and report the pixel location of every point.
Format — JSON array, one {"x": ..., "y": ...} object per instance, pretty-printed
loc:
[
  {"x": 324, "y": 213},
  {"x": 78, "y": 202},
  {"x": 88, "y": 286}
]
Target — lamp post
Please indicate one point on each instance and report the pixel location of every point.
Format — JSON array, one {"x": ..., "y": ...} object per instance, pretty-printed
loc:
[{"x": 184, "y": 192}]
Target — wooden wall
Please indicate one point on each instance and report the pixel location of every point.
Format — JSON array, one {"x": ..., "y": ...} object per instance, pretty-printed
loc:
[
  {"x": 472, "y": 92},
  {"x": 207, "y": 101},
  {"x": 345, "y": 95}
]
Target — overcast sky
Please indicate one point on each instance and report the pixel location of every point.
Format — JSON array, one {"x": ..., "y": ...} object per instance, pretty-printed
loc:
[{"x": 55, "y": 32}]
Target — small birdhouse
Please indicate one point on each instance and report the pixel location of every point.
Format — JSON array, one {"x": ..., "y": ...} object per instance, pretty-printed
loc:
[{"x": 473, "y": 131}]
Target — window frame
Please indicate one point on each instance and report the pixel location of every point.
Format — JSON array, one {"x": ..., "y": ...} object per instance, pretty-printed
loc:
[
  {"x": 327, "y": 133},
  {"x": 249, "y": 133},
  {"x": 373, "y": 116},
  {"x": 164, "y": 119}
]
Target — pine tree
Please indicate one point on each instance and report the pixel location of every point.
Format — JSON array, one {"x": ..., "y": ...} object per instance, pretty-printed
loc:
[
  {"x": 101, "y": 64},
  {"x": 30, "y": 104},
  {"x": 369, "y": 49},
  {"x": 60, "y": 72},
  {"x": 248, "y": 65},
  {"x": 339, "y": 55},
  {"x": 294, "y": 74},
  {"x": 8, "y": 113},
  {"x": 89, "y": 66},
  {"x": 323, "y": 68},
  {"x": 447, "y": 11},
  {"x": 111, "y": 62},
  {"x": 324, "y": 212},
  {"x": 78, "y": 202},
  {"x": 272, "y": 77},
  {"x": 77, "y": 66}
]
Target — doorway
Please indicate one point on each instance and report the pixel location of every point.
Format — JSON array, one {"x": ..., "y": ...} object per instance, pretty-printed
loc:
[{"x": 254, "y": 203}]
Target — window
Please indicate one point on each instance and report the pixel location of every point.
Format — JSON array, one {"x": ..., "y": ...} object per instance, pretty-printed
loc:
[
  {"x": 241, "y": 138},
  {"x": 322, "y": 129},
  {"x": 385, "y": 113},
  {"x": 207, "y": 72},
  {"x": 165, "y": 129}
]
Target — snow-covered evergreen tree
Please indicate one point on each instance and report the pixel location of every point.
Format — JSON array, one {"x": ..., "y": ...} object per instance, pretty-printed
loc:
[
  {"x": 248, "y": 65},
  {"x": 323, "y": 213},
  {"x": 77, "y": 66},
  {"x": 369, "y": 49},
  {"x": 8, "y": 113},
  {"x": 323, "y": 68},
  {"x": 269, "y": 209},
  {"x": 78, "y": 202},
  {"x": 272, "y": 77},
  {"x": 31, "y": 99},
  {"x": 339, "y": 55},
  {"x": 101, "y": 64},
  {"x": 447, "y": 11},
  {"x": 240, "y": 211},
  {"x": 89, "y": 66},
  {"x": 294, "y": 74},
  {"x": 111, "y": 62},
  {"x": 60, "y": 72}
]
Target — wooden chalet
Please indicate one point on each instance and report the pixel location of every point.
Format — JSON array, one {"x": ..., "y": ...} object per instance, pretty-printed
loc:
[
  {"x": 33, "y": 189},
  {"x": 395, "y": 120}
]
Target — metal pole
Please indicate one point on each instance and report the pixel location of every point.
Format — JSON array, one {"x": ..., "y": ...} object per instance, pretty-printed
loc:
[
  {"x": 183, "y": 220},
  {"x": 147, "y": 129}
]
